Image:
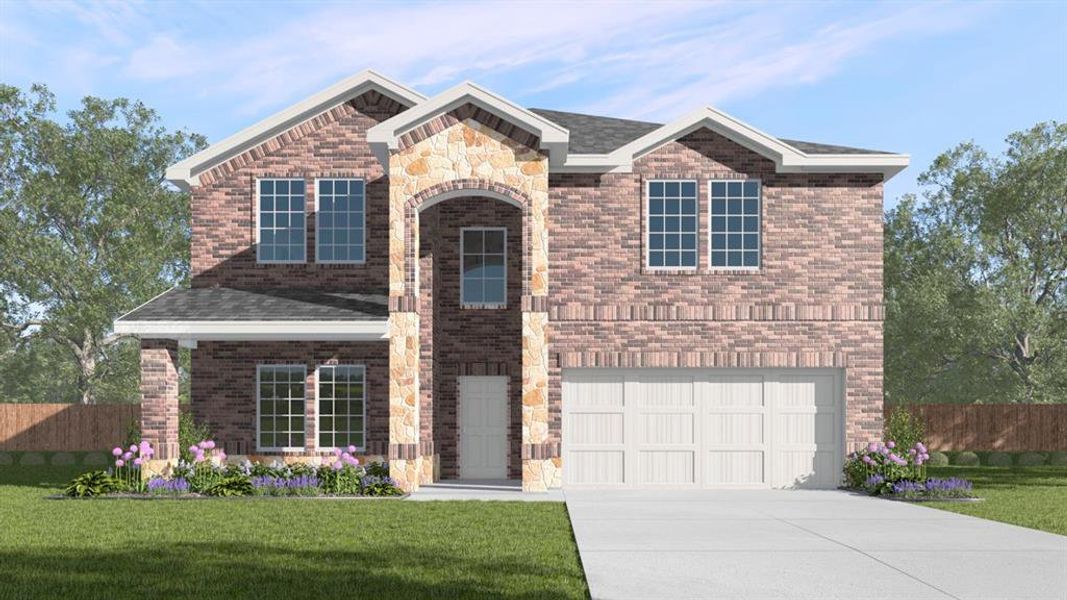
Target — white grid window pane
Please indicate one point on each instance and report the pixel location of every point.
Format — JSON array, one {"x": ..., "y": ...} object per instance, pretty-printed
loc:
[
  {"x": 735, "y": 223},
  {"x": 342, "y": 401},
  {"x": 340, "y": 234},
  {"x": 484, "y": 263},
  {"x": 281, "y": 221},
  {"x": 672, "y": 224},
  {"x": 281, "y": 406}
]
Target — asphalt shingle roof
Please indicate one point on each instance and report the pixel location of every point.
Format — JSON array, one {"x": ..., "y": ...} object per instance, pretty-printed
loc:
[
  {"x": 228, "y": 304},
  {"x": 591, "y": 134}
]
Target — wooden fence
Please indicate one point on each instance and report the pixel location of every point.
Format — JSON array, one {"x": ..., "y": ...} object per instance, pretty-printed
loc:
[
  {"x": 65, "y": 427},
  {"x": 1007, "y": 427}
]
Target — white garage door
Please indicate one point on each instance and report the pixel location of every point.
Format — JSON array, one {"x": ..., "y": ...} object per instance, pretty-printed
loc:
[{"x": 702, "y": 428}]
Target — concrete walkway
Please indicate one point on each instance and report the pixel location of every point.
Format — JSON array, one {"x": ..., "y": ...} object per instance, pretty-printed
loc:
[
  {"x": 804, "y": 544},
  {"x": 479, "y": 489}
]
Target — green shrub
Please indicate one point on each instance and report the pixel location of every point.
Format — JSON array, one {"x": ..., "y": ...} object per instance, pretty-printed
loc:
[
  {"x": 905, "y": 427},
  {"x": 343, "y": 481},
  {"x": 1032, "y": 459},
  {"x": 189, "y": 434},
  {"x": 937, "y": 459},
  {"x": 998, "y": 459},
  {"x": 967, "y": 459},
  {"x": 236, "y": 485},
  {"x": 1058, "y": 459},
  {"x": 93, "y": 483},
  {"x": 378, "y": 469}
]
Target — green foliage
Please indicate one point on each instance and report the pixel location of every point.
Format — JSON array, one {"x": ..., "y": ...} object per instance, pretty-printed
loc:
[
  {"x": 998, "y": 459},
  {"x": 905, "y": 427},
  {"x": 976, "y": 276},
  {"x": 230, "y": 486},
  {"x": 88, "y": 230},
  {"x": 189, "y": 434},
  {"x": 937, "y": 459},
  {"x": 1058, "y": 459},
  {"x": 966, "y": 459},
  {"x": 93, "y": 483},
  {"x": 344, "y": 481},
  {"x": 378, "y": 469},
  {"x": 1032, "y": 459}
]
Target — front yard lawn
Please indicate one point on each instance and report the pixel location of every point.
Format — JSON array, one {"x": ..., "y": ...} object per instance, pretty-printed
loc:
[
  {"x": 277, "y": 548},
  {"x": 1034, "y": 497}
]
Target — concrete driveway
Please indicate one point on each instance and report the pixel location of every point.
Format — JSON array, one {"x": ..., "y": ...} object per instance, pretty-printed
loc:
[{"x": 803, "y": 544}]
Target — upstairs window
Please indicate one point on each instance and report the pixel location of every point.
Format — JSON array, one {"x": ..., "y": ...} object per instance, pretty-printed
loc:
[
  {"x": 340, "y": 222},
  {"x": 672, "y": 224},
  {"x": 483, "y": 265},
  {"x": 735, "y": 224},
  {"x": 282, "y": 230}
]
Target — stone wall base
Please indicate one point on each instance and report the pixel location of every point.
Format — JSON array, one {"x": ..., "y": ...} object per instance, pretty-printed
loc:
[
  {"x": 541, "y": 475},
  {"x": 406, "y": 472}
]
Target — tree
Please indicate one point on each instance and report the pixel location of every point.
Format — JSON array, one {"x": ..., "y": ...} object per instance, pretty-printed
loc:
[
  {"x": 976, "y": 276},
  {"x": 88, "y": 228}
]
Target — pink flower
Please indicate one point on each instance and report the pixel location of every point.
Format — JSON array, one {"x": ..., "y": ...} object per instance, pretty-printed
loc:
[
  {"x": 351, "y": 449},
  {"x": 145, "y": 447},
  {"x": 891, "y": 444},
  {"x": 120, "y": 462},
  {"x": 867, "y": 459},
  {"x": 117, "y": 451},
  {"x": 337, "y": 465},
  {"x": 337, "y": 451},
  {"x": 194, "y": 449},
  {"x": 872, "y": 447},
  {"x": 127, "y": 455},
  {"x": 209, "y": 444},
  {"x": 137, "y": 462},
  {"x": 133, "y": 447}
]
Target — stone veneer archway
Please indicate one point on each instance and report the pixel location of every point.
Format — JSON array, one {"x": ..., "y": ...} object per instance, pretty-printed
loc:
[{"x": 467, "y": 151}]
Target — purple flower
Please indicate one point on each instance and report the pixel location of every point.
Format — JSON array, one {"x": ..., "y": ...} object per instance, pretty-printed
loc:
[
  {"x": 193, "y": 449},
  {"x": 872, "y": 447},
  {"x": 117, "y": 451},
  {"x": 891, "y": 444},
  {"x": 338, "y": 465},
  {"x": 120, "y": 462},
  {"x": 127, "y": 455},
  {"x": 867, "y": 459},
  {"x": 920, "y": 447},
  {"x": 133, "y": 447},
  {"x": 337, "y": 452},
  {"x": 137, "y": 462},
  {"x": 351, "y": 449},
  {"x": 209, "y": 444}
]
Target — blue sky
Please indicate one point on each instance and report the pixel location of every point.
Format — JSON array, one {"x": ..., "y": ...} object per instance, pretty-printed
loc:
[{"x": 908, "y": 77}]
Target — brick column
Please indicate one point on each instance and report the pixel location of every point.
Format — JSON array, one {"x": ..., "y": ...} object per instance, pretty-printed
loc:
[{"x": 159, "y": 397}]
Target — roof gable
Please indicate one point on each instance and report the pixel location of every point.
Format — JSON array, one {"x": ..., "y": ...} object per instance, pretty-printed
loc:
[
  {"x": 186, "y": 173},
  {"x": 553, "y": 138}
]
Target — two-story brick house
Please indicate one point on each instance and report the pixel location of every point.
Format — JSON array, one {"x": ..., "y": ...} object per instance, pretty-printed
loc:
[{"x": 471, "y": 289}]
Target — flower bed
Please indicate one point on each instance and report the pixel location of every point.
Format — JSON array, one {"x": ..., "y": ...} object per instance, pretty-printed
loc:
[
  {"x": 882, "y": 469},
  {"x": 209, "y": 475}
]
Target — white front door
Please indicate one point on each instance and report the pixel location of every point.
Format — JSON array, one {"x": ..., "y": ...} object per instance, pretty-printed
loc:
[{"x": 483, "y": 427}]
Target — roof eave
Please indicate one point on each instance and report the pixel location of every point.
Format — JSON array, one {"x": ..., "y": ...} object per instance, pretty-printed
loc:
[
  {"x": 351, "y": 330},
  {"x": 186, "y": 173}
]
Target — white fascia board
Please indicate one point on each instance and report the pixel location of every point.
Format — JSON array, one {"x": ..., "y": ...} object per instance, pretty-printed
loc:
[
  {"x": 185, "y": 174},
  {"x": 787, "y": 159},
  {"x": 256, "y": 330},
  {"x": 553, "y": 138}
]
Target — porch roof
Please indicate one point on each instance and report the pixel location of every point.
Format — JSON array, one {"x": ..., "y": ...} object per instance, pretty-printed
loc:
[{"x": 239, "y": 314}]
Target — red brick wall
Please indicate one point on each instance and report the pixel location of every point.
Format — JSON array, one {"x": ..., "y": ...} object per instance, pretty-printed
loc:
[
  {"x": 159, "y": 396},
  {"x": 332, "y": 145},
  {"x": 468, "y": 341},
  {"x": 818, "y": 291},
  {"x": 224, "y": 386}
]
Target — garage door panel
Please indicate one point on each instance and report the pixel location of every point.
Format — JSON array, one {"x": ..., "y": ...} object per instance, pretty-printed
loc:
[
  {"x": 664, "y": 390},
  {"x": 733, "y": 467},
  {"x": 666, "y": 428},
  {"x": 596, "y": 428},
  {"x": 666, "y": 467},
  {"x": 597, "y": 467},
  {"x": 733, "y": 429},
  {"x": 703, "y": 427},
  {"x": 740, "y": 391}
]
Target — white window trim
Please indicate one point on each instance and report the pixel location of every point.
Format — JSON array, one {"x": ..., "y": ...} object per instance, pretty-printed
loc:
[
  {"x": 258, "y": 217},
  {"x": 495, "y": 305},
  {"x": 646, "y": 205},
  {"x": 318, "y": 413},
  {"x": 259, "y": 370},
  {"x": 759, "y": 266},
  {"x": 362, "y": 228}
]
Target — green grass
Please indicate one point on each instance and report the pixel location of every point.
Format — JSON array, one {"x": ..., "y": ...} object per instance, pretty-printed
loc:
[
  {"x": 277, "y": 548},
  {"x": 1034, "y": 497}
]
